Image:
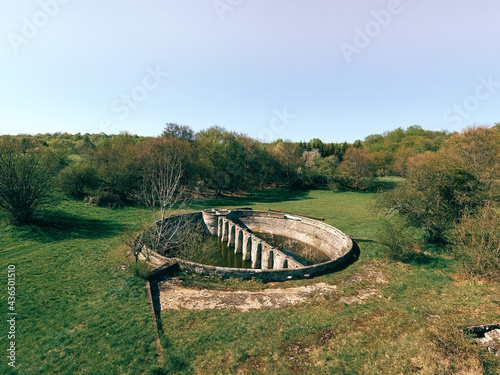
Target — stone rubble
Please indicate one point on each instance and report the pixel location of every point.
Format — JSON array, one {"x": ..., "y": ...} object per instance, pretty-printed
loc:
[{"x": 491, "y": 341}]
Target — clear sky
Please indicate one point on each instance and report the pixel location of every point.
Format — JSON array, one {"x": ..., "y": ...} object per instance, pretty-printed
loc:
[{"x": 337, "y": 70}]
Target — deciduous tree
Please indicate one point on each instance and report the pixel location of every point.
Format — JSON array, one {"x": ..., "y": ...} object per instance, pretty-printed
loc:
[
  {"x": 358, "y": 168},
  {"x": 222, "y": 159}
]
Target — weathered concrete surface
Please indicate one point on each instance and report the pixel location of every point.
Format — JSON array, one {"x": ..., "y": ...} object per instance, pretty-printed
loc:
[
  {"x": 324, "y": 237},
  {"x": 211, "y": 218},
  {"x": 174, "y": 296}
]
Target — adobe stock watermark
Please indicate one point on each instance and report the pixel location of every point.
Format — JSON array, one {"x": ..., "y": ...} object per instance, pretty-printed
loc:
[
  {"x": 364, "y": 36},
  {"x": 278, "y": 123},
  {"x": 223, "y": 6},
  {"x": 485, "y": 90},
  {"x": 31, "y": 26},
  {"x": 11, "y": 315},
  {"x": 123, "y": 106}
]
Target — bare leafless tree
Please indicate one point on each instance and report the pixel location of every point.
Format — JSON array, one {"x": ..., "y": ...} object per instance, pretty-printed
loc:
[
  {"x": 162, "y": 193},
  {"x": 134, "y": 240}
]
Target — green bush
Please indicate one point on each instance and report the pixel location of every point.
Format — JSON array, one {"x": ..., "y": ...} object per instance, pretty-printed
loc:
[
  {"x": 441, "y": 186},
  {"x": 401, "y": 241},
  {"x": 25, "y": 182},
  {"x": 79, "y": 180},
  {"x": 435, "y": 194},
  {"x": 117, "y": 164},
  {"x": 475, "y": 240}
]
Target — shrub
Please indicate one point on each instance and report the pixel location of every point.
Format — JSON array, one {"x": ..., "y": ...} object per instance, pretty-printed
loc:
[
  {"x": 441, "y": 186},
  {"x": 475, "y": 239},
  {"x": 79, "y": 180},
  {"x": 25, "y": 182},
  {"x": 435, "y": 194},
  {"x": 400, "y": 240},
  {"x": 190, "y": 243},
  {"x": 116, "y": 162}
]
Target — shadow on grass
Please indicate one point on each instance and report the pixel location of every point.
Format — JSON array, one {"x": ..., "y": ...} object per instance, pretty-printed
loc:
[
  {"x": 51, "y": 225},
  {"x": 384, "y": 186},
  {"x": 422, "y": 260},
  {"x": 264, "y": 196},
  {"x": 429, "y": 261}
]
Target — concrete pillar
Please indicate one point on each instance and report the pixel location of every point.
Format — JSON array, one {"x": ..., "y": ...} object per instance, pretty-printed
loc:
[
  {"x": 279, "y": 260},
  {"x": 267, "y": 258},
  {"x": 231, "y": 234},
  {"x": 210, "y": 219},
  {"x": 264, "y": 257},
  {"x": 219, "y": 227},
  {"x": 256, "y": 253},
  {"x": 247, "y": 245},
  {"x": 238, "y": 242},
  {"x": 224, "y": 229}
]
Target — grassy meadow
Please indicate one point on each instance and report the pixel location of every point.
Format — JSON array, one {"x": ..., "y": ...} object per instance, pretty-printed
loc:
[{"x": 83, "y": 310}]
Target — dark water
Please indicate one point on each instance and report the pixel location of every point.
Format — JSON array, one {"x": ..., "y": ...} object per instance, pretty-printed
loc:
[
  {"x": 298, "y": 250},
  {"x": 212, "y": 251}
]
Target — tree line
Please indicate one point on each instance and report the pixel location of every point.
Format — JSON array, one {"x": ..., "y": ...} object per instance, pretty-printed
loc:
[{"x": 214, "y": 161}]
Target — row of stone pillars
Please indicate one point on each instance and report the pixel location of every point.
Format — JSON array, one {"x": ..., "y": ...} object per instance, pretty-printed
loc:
[{"x": 262, "y": 255}]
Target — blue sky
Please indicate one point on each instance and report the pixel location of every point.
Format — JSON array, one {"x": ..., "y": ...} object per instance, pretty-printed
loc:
[{"x": 293, "y": 69}]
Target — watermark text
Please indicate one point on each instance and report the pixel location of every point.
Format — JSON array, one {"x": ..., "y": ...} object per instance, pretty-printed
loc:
[
  {"x": 461, "y": 111},
  {"x": 123, "y": 106},
  {"x": 11, "y": 315},
  {"x": 279, "y": 121},
  {"x": 31, "y": 26},
  {"x": 364, "y": 36},
  {"x": 223, "y": 6}
]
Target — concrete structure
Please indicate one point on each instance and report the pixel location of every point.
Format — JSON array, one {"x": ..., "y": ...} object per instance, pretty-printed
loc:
[
  {"x": 262, "y": 255},
  {"x": 236, "y": 227}
]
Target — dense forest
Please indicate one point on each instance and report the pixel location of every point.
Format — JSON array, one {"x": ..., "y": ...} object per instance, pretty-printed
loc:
[{"x": 216, "y": 161}]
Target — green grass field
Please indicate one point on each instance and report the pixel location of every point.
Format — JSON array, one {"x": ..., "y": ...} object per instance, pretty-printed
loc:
[{"x": 80, "y": 312}]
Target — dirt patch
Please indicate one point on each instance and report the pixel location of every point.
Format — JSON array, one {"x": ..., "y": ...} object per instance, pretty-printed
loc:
[
  {"x": 297, "y": 354},
  {"x": 176, "y": 297},
  {"x": 373, "y": 275},
  {"x": 325, "y": 337},
  {"x": 362, "y": 295},
  {"x": 368, "y": 274}
]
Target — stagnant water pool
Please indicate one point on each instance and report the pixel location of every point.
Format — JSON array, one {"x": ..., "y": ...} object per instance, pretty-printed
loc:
[
  {"x": 300, "y": 251},
  {"x": 214, "y": 252}
]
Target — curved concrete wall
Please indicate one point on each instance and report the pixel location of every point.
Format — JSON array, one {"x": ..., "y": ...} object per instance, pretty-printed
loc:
[
  {"x": 324, "y": 237},
  {"x": 337, "y": 245}
]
